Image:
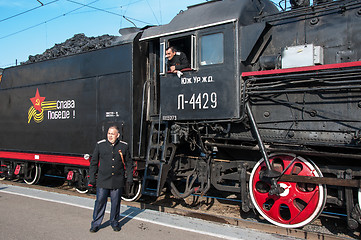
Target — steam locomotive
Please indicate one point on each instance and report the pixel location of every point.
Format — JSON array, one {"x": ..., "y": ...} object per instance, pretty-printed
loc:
[{"x": 270, "y": 109}]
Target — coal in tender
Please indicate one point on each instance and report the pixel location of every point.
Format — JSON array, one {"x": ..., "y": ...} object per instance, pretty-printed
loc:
[{"x": 77, "y": 44}]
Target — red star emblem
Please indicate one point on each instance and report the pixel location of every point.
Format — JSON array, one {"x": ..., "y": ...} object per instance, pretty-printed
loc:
[{"x": 37, "y": 100}]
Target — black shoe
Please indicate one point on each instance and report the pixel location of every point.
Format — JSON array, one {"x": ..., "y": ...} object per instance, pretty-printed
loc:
[
  {"x": 94, "y": 229},
  {"x": 116, "y": 228}
]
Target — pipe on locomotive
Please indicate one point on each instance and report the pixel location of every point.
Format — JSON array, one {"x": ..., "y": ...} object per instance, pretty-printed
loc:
[{"x": 269, "y": 174}]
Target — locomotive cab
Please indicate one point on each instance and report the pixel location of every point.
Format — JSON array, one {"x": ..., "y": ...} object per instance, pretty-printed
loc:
[
  {"x": 208, "y": 34},
  {"x": 205, "y": 91}
]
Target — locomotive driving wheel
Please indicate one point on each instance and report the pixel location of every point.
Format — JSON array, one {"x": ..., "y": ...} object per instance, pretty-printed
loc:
[
  {"x": 297, "y": 204},
  {"x": 3, "y": 166},
  {"x": 83, "y": 181},
  {"x": 135, "y": 192},
  {"x": 33, "y": 175}
]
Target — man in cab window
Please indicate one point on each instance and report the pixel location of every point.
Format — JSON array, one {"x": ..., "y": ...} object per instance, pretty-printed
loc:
[{"x": 176, "y": 60}]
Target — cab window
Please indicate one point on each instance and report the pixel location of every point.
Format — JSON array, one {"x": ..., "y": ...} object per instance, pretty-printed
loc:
[
  {"x": 184, "y": 44},
  {"x": 212, "y": 49}
]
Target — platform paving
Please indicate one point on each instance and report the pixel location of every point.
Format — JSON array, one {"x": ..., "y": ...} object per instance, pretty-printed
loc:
[{"x": 36, "y": 214}]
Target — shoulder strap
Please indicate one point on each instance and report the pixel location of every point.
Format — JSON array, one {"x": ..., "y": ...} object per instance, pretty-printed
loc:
[{"x": 121, "y": 156}]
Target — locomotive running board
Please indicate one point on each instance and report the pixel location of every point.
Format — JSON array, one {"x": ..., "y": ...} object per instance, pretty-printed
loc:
[{"x": 45, "y": 158}]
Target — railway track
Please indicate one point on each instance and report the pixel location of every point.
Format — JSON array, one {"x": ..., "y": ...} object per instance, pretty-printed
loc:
[{"x": 221, "y": 210}]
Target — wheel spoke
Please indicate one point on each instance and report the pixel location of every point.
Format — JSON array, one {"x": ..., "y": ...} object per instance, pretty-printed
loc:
[
  {"x": 294, "y": 210},
  {"x": 276, "y": 212},
  {"x": 262, "y": 197},
  {"x": 304, "y": 194}
]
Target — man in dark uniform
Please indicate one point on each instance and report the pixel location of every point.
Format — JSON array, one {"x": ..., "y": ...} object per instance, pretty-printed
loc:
[
  {"x": 108, "y": 162},
  {"x": 176, "y": 60}
]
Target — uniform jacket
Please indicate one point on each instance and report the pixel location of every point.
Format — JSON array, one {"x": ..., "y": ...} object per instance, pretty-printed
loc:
[
  {"x": 179, "y": 60},
  {"x": 107, "y": 164}
]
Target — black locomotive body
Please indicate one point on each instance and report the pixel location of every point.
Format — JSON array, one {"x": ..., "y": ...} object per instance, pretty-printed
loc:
[
  {"x": 269, "y": 110},
  {"x": 56, "y": 110}
]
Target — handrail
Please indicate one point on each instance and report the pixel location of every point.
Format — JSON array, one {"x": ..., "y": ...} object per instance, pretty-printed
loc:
[{"x": 141, "y": 116}]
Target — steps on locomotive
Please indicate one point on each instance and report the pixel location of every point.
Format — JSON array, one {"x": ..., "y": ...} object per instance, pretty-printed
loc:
[{"x": 157, "y": 159}]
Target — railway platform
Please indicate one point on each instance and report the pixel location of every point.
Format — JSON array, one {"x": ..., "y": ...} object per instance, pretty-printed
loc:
[{"x": 37, "y": 214}]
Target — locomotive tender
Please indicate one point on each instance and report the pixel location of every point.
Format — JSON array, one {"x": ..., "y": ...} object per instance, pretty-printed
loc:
[{"x": 270, "y": 109}]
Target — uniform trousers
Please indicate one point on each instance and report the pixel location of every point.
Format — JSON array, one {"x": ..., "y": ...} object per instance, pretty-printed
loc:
[{"x": 101, "y": 203}]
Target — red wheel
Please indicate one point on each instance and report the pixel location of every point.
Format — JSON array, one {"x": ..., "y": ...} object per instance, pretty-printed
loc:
[{"x": 299, "y": 203}]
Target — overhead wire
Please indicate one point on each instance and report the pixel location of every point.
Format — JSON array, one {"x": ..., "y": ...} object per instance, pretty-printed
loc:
[
  {"x": 109, "y": 8},
  {"x": 129, "y": 19},
  {"x": 160, "y": 12},
  {"x": 32, "y": 9},
  {"x": 127, "y": 5},
  {"x": 124, "y": 12},
  {"x": 113, "y": 13},
  {"x": 99, "y": 9},
  {"x": 52, "y": 19},
  {"x": 153, "y": 12}
]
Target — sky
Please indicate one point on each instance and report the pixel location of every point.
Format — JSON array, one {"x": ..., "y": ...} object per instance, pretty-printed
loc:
[{"x": 29, "y": 27}]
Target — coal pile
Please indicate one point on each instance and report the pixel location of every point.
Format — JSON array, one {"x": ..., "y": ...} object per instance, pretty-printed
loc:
[{"x": 77, "y": 44}]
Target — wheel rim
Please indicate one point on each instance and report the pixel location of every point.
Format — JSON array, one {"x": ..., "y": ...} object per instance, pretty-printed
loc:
[
  {"x": 81, "y": 190},
  {"x": 136, "y": 190},
  {"x": 2, "y": 174},
  {"x": 83, "y": 180},
  {"x": 299, "y": 204},
  {"x": 35, "y": 173},
  {"x": 3, "y": 166}
]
